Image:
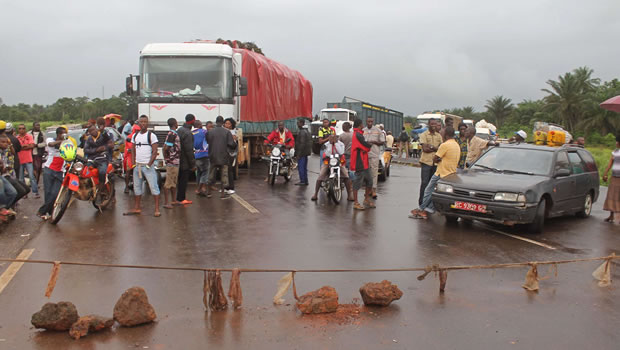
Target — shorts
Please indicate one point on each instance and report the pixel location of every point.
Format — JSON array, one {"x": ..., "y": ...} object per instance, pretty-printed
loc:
[
  {"x": 324, "y": 174},
  {"x": 148, "y": 174},
  {"x": 172, "y": 177},
  {"x": 362, "y": 179}
]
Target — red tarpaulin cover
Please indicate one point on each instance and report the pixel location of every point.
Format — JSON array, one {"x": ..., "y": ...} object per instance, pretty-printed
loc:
[{"x": 275, "y": 92}]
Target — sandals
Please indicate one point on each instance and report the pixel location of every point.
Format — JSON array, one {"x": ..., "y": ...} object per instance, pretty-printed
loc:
[
  {"x": 369, "y": 204},
  {"x": 133, "y": 212},
  {"x": 609, "y": 220},
  {"x": 358, "y": 206}
]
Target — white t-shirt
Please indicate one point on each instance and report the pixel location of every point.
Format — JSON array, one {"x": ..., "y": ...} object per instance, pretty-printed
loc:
[
  {"x": 143, "y": 146},
  {"x": 53, "y": 161}
]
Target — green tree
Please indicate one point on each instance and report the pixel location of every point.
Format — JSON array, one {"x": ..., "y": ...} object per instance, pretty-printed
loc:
[{"x": 499, "y": 108}]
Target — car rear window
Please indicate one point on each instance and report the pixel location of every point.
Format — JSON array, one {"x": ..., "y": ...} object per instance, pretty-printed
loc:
[
  {"x": 537, "y": 162},
  {"x": 589, "y": 160}
]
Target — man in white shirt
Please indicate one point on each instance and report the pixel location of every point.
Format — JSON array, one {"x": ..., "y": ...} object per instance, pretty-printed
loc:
[
  {"x": 336, "y": 148},
  {"x": 143, "y": 156}
]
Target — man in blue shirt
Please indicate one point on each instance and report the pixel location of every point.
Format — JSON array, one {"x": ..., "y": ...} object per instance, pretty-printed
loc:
[{"x": 201, "y": 153}]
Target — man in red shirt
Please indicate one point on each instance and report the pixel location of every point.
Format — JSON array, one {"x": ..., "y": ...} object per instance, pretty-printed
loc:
[
  {"x": 360, "y": 165},
  {"x": 25, "y": 158},
  {"x": 280, "y": 135}
]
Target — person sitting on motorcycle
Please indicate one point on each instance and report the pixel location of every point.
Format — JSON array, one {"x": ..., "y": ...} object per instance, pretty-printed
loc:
[
  {"x": 333, "y": 147},
  {"x": 97, "y": 150},
  {"x": 280, "y": 136}
]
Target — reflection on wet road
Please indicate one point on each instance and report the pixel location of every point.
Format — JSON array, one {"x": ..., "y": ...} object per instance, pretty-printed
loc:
[{"x": 279, "y": 227}]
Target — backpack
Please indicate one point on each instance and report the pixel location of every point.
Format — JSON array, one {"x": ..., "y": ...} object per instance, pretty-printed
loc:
[
  {"x": 148, "y": 138},
  {"x": 403, "y": 137}
]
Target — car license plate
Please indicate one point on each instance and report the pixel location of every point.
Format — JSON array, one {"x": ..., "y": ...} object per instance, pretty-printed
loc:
[{"x": 479, "y": 208}]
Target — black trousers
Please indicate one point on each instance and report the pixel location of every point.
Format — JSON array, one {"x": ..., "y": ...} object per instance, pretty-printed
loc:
[
  {"x": 20, "y": 187},
  {"x": 425, "y": 177},
  {"x": 182, "y": 184},
  {"x": 231, "y": 174}
]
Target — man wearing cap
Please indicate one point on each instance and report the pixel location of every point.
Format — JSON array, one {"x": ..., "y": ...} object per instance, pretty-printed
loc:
[
  {"x": 519, "y": 137},
  {"x": 187, "y": 162}
]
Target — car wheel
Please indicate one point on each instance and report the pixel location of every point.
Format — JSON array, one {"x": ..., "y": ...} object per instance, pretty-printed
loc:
[
  {"x": 539, "y": 220},
  {"x": 451, "y": 219},
  {"x": 587, "y": 207}
]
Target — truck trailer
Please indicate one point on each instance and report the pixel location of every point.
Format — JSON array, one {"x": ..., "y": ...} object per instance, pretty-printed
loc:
[
  {"x": 209, "y": 79},
  {"x": 350, "y": 108}
]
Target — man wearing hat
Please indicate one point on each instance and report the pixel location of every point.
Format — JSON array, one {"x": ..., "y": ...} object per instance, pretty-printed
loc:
[{"x": 519, "y": 137}]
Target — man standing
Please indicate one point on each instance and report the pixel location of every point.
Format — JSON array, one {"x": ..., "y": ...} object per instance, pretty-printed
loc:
[
  {"x": 324, "y": 132},
  {"x": 143, "y": 155},
  {"x": 38, "y": 150},
  {"x": 52, "y": 173},
  {"x": 447, "y": 156},
  {"x": 347, "y": 138},
  {"x": 172, "y": 150},
  {"x": 361, "y": 167},
  {"x": 201, "y": 154},
  {"x": 14, "y": 143},
  {"x": 475, "y": 146},
  {"x": 25, "y": 158},
  {"x": 374, "y": 136},
  {"x": 430, "y": 141},
  {"x": 221, "y": 143},
  {"x": 403, "y": 143},
  {"x": 187, "y": 162},
  {"x": 449, "y": 122},
  {"x": 303, "y": 148}
]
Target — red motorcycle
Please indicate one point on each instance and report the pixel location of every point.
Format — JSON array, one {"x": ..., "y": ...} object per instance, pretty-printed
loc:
[{"x": 81, "y": 181}]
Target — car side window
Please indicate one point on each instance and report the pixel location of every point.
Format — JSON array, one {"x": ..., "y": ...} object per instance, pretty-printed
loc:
[
  {"x": 576, "y": 164},
  {"x": 562, "y": 161},
  {"x": 589, "y": 160}
]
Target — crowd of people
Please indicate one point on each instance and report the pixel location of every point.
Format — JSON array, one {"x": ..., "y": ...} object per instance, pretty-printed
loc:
[{"x": 211, "y": 149}]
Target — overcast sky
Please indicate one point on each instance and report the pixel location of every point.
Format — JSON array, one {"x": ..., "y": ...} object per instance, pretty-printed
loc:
[{"x": 411, "y": 56}]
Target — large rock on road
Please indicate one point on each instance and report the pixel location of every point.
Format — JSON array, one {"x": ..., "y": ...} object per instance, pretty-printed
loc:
[
  {"x": 133, "y": 308},
  {"x": 380, "y": 294},
  {"x": 320, "y": 301},
  {"x": 55, "y": 317}
]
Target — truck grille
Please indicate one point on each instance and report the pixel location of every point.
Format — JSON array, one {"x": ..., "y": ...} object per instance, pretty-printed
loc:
[
  {"x": 314, "y": 129},
  {"x": 474, "y": 194},
  {"x": 161, "y": 136}
]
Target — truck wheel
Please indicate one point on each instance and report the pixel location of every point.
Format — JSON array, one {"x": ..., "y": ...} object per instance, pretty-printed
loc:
[
  {"x": 61, "y": 204},
  {"x": 587, "y": 207},
  {"x": 316, "y": 148},
  {"x": 539, "y": 220}
]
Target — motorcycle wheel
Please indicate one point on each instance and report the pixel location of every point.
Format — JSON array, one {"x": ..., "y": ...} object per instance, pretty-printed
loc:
[
  {"x": 334, "y": 193},
  {"x": 288, "y": 176},
  {"x": 111, "y": 198},
  {"x": 61, "y": 204},
  {"x": 272, "y": 179}
]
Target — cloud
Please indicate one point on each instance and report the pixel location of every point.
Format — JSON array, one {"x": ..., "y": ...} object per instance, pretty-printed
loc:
[{"x": 408, "y": 55}]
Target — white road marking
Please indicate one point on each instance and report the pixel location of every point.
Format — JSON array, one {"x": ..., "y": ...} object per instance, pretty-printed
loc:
[
  {"x": 12, "y": 270},
  {"x": 522, "y": 238},
  {"x": 245, "y": 204}
]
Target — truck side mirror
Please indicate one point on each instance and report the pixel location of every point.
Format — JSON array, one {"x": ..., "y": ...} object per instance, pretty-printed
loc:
[
  {"x": 129, "y": 85},
  {"x": 243, "y": 86}
]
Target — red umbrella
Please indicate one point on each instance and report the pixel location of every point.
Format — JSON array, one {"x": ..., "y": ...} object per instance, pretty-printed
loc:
[{"x": 613, "y": 104}]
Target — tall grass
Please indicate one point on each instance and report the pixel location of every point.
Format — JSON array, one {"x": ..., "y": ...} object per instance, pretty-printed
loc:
[{"x": 601, "y": 155}]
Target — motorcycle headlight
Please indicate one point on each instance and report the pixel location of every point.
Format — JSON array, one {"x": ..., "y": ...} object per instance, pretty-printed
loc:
[
  {"x": 444, "y": 188},
  {"x": 276, "y": 152},
  {"x": 333, "y": 162},
  {"x": 78, "y": 167},
  {"x": 509, "y": 197}
]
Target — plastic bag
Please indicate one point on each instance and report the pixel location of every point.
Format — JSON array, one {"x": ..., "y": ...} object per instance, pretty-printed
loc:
[
  {"x": 603, "y": 274},
  {"x": 283, "y": 285},
  {"x": 531, "y": 279}
]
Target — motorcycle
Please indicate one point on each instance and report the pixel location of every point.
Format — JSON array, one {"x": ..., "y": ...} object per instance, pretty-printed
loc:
[
  {"x": 280, "y": 163},
  {"x": 80, "y": 181},
  {"x": 333, "y": 185}
]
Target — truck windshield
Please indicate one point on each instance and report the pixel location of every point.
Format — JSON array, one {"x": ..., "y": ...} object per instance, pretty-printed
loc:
[
  {"x": 341, "y": 115},
  {"x": 206, "y": 77},
  {"x": 532, "y": 161}
]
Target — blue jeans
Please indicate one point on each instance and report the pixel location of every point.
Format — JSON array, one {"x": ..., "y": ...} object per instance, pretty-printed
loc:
[
  {"x": 148, "y": 174},
  {"x": 202, "y": 170},
  {"x": 33, "y": 180},
  {"x": 427, "y": 202},
  {"x": 102, "y": 169},
  {"x": 427, "y": 171},
  {"x": 52, "y": 181},
  {"x": 8, "y": 193},
  {"x": 302, "y": 167}
]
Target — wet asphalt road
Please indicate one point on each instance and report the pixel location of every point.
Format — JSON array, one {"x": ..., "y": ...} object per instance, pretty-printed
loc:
[{"x": 481, "y": 309}]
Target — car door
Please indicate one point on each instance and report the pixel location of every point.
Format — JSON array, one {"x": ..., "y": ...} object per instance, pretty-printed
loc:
[
  {"x": 564, "y": 184},
  {"x": 579, "y": 174}
]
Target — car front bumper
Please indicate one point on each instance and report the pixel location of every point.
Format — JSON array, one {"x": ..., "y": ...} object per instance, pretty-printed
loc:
[{"x": 502, "y": 213}]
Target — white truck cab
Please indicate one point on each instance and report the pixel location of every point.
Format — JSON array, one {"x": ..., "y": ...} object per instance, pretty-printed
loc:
[{"x": 340, "y": 115}]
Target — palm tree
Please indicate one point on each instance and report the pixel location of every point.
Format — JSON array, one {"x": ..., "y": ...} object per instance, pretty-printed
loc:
[
  {"x": 499, "y": 108},
  {"x": 566, "y": 99}
]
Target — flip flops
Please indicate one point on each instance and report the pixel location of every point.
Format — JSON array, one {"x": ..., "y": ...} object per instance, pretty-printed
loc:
[
  {"x": 133, "y": 212},
  {"x": 358, "y": 206}
]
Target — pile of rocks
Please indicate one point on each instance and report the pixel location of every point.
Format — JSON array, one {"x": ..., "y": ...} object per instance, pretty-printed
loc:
[
  {"x": 325, "y": 299},
  {"x": 131, "y": 309}
]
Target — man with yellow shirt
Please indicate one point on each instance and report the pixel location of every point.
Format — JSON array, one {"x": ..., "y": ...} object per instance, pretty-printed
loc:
[
  {"x": 447, "y": 158},
  {"x": 430, "y": 141}
]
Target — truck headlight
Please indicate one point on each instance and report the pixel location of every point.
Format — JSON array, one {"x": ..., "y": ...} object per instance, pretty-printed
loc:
[
  {"x": 509, "y": 197},
  {"x": 444, "y": 188}
]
